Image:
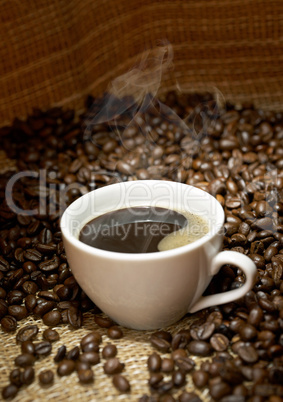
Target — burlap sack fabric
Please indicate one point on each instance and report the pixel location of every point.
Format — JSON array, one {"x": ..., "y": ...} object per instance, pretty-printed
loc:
[{"x": 56, "y": 52}]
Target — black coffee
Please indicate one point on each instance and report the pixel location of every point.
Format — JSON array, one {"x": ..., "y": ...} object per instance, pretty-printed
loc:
[{"x": 132, "y": 230}]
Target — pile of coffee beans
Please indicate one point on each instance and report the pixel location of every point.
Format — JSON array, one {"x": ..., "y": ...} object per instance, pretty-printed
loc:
[
  {"x": 233, "y": 152},
  {"x": 80, "y": 358}
]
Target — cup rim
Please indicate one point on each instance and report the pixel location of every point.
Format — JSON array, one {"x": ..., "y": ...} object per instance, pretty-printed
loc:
[{"x": 141, "y": 256}]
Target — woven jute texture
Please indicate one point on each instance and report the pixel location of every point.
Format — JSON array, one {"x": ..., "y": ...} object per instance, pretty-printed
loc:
[{"x": 55, "y": 52}]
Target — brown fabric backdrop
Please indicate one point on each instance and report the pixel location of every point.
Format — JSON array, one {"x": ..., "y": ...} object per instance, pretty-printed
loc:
[{"x": 55, "y": 52}]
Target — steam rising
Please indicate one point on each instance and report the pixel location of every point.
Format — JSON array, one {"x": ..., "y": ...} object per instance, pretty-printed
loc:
[
  {"x": 131, "y": 100},
  {"x": 134, "y": 90}
]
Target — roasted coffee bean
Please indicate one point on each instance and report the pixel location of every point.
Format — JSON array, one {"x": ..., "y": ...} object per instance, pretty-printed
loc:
[
  {"x": 216, "y": 317},
  {"x": 45, "y": 236},
  {"x": 181, "y": 340},
  {"x": 163, "y": 335},
  {"x": 49, "y": 265},
  {"x": 4, "y": 264},
  {"x": 19, "y": 255},
  {"x": 19, "y": 312},
  {"x": 238, "y": 239},
  {"x": 90, "y": 347},
  {"x": 125, "y": 168},
  {"x": 15, "y": 377},
  {"x": 64, "y": 293},
  {"x": 160, "y": 344},
  {"x": 46, "y": 249},
  {"x": 115, "y": 332},
  {"x": 121, "y": 383},
  {"x": 73, "y": 354},
  {"x": 199, "y": 348},
  {"x": 27, "y": 333},
  {"x": 27, "y": 347},
  {"x": 200, "y": 378},
  {"x": 3, "y": 293},
  {"x": 219, "y": 342},
  {"x": 109, "y": 351},
  {"x": 43, "y": 348},
  {"x": 46, "y": 377},
  {"x": 91, "y": 358},
  {"x": 24, "y": 242},
  {"x": 10, "y": 391},
  {"x": 113, "y": 366},
  {"x": 154, "y": 362},
  {"x": 51, "y": 335},
  {"x": 155, "y": 379},
  {"x": 8, "y": 324},
  {"x": 270, "y": 252},
  {"x": 258, "y": 260},
  {"x": 29, "y": 267},
  {"x": 44, "y": 307},
  {"x": 70, "y": 282},
  {"x": 65, "y": 367},
  {"x": 185, "y": 364},
  {"x": 3, "y": 308},
  {"x": 241, "y": 391},
  {"x": 263, "y": 224},
  {"x": 257, "y": 247},
  {"x": 266, "y": 304},
  {"x": 61, "y": 353},
  {"x": 164, "y": 387},
  {"x": 15, "y": 297},
  {"x": 188, "y": 397},
  {"x": 142, "y": 174},
  {"x": 219, "y": 389},
  {"x": 32, "y": 255},
  {"x": 236, "y": 345},
  {"x": 29, "y": 287},
  {"x": 203, "y": 332},
  {"x": 247, "y": 332},
  {"x": 74, "y": 317},
  {"x": 103, "y": 322},
  {"x": 167, "y": 365},
  {"x": 244, "y": 228},
  {"x": 255, "y": 316},
  {"x": 82, "y": 365},
  {"x": 52, "y": 318},
  {"x": 85, "y": 376},
  {"x": 231, "y": 374},
  {"x": 178, "y": 378},
  {"x": 273, "y": 351},
  {"x": 48, "y": 295},
  {"x": 217, "y": 187},
  {"x": 65, "y": 305},
  {"x": 27, "y": 376},
  {"x": 178, "y": 353}
]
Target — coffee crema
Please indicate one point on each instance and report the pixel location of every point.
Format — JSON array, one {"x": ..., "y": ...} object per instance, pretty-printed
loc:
[{"x": 143, "y": 229}]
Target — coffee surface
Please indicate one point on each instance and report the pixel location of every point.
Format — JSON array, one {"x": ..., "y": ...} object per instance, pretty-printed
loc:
[{"x": 137, "y": 230}]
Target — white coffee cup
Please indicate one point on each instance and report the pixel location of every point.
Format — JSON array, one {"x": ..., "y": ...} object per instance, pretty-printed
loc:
[{"x": 151, "y": 290}]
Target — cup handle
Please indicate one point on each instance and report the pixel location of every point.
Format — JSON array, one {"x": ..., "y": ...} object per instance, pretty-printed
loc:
[{"x": 239, "y": 260}]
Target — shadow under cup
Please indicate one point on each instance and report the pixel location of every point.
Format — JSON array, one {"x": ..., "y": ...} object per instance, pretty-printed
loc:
[{"x": 149, "y": 290}]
